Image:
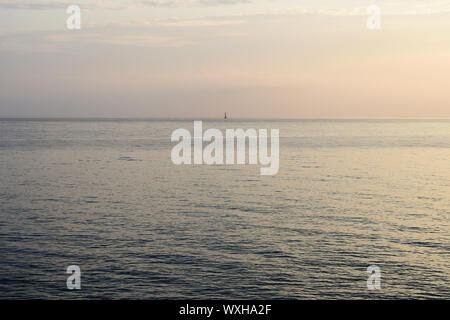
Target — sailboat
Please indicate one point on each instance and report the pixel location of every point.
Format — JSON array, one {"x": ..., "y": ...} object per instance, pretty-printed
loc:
[{"x": 225, "y": 116}]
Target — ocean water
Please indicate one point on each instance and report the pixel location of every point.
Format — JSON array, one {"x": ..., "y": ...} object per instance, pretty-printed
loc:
[{"x": 104, "y": 195}]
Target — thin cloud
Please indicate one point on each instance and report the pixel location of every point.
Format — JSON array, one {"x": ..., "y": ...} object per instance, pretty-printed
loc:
[
  {"x": 200, "y": 22},
  {"x": 58, "y": 41},
  {"x": 54, "y": 4},
  {"x": 179, "y": 3},
  {"x": 109, "y": 4},
  {"x": 400, "y": 7}
]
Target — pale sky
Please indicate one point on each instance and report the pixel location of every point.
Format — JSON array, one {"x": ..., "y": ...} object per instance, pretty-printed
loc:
[{"x": 200, "y": 58}]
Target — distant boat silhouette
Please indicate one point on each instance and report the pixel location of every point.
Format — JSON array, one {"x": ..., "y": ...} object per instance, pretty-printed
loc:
[{"x": 225, "y": 116}]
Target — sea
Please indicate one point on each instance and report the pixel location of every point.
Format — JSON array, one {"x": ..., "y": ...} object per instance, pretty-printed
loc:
[{"x": 104, "y": 195}]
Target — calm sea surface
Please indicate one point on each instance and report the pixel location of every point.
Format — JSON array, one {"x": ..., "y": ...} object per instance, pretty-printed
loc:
[{"x": 104, "y": 195}]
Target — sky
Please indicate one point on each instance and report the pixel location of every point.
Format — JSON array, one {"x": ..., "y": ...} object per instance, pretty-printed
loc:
[{"x": 201, "y": 58}]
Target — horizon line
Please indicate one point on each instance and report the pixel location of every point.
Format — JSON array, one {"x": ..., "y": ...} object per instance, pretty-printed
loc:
[{"x": 209, "y": 118}]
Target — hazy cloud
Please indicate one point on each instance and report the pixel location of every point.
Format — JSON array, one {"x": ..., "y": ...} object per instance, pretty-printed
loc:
[
  {"x": 399, "y": 7},
  {"x": 171, "y": 3},
  {"x": 185, "y": 23},
  {"x": 58, "y": 41},
  {"x": 109, "y": 4}
]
